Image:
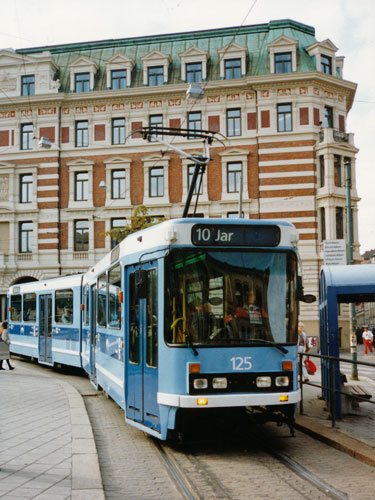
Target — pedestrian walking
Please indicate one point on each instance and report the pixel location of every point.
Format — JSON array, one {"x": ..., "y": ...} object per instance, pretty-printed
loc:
[
  {"x": 303, "y": 347},
  {"x": 367, "y": 339},
  {"x": 4, "y": 346}
]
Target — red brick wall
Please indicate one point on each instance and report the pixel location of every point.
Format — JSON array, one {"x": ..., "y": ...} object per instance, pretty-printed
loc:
[
  {"x": 214, "y": 123},
  {"x": 99, "y": 132},
  {"x": 265, "y": 119},
  {"x": 304, "y": 116},
  {"x": 64, "y": 134},
  {"x": 342, "y": 123},
  {"x": 99, "y": 238},
  {"x": 135, "y": 126},
  {"x": 64, "y": 235},
  {"x": 316, "y": 116},
  {"x": 251, "y": 121},
  {"x": 175, "y": 123},
  {"x": 4, "y": 137},
  {"x": 48, "y": 132}
]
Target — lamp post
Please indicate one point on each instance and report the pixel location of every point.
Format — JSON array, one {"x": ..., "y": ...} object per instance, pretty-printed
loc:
[{"x": 353, "y": 338}]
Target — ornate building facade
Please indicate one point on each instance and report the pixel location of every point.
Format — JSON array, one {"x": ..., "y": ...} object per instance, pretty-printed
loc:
[{"x": 275, "y": 94}]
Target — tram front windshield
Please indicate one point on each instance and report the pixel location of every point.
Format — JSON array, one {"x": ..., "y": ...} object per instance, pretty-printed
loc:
[{"x": 230, "y": 297}]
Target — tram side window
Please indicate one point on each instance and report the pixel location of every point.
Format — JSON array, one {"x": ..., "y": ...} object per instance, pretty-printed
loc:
[
  {"x": 114, "y": 286},
  {"x": 152, "y": 319},
  {"x": 64, "y": 306},
  {"x": 29, "y": 307},
  {"x": 86, "y": 302},
  {"x": 134, "y": 347},
  {"x": 16, "y": 307},
  {"x": 101, "y": 312}
]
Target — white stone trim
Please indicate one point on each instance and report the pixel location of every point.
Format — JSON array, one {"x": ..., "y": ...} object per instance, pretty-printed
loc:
[
  {"x": 82, "y": 65},
  {"x": 283, "y": 44},
  {"x": 185, "y": 164},
  {"x": 80, "y": 166},
  {"x": 117, "y": 163},
  {"x": 280, "y": 187},
  {"x": 118, "y": 62},
  {"x": 151, "y": 161},
  {"x": 229, "y": 156},
  {"x": 194, "y": 55},
  {"x": 232, "y": 51},
  {"x": 155, "y": 58}
]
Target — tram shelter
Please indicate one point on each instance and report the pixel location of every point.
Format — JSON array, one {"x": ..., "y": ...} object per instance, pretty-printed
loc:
[{"x": 339, "y": 284}]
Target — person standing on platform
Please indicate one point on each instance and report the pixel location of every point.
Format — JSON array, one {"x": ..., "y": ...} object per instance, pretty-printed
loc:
[
  {"x": 4, "y": 346},
  {"x": 303, "y": 347},
  {"x": 367, "y": 339}
]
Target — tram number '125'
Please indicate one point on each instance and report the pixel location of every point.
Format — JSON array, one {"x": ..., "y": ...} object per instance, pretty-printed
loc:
[{"x": 241, "y": 363}]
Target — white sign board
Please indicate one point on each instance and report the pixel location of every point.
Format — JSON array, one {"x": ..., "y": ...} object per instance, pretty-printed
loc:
[{"x": 334, "y": 252}]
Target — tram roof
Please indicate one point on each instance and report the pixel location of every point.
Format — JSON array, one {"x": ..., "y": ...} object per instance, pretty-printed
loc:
[{"x": 54, "y": 283}]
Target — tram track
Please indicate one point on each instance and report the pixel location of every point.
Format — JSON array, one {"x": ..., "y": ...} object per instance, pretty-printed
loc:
[{"x": 194, "y": 478}]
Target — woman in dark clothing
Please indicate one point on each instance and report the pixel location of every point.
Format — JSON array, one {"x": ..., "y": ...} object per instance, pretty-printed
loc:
[{"x": 4, "y": 346}]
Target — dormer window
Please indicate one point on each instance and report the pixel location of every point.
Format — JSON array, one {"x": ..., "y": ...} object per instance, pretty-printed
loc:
[
  {"x": 232, "y": 68},
  {"x": 155, "y": 68},
  {"x": 118, "y": 79},
  {"x": 119, "y": 71},
  {"x": 326, "y": 64},
  {"x": 194, "y": 72},
  {"x": 229, "y": 57},
  {"x": 28, "y": 85},
  {"x": 283, "y": 55},
  {"x": 325, "y": 56},
  {"x": 82, "y": 74},
  {"x": 283, "y": 62},
  {"x": 155, "y": 76},
  {"x": 82, "y": 82}
]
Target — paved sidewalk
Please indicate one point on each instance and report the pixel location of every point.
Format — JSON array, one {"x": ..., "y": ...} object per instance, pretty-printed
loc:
[
  {"x": 47, "y": 449},
  {"x": 355, "y": 432}
]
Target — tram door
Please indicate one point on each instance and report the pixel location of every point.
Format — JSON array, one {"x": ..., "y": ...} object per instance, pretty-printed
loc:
[
  {"x": 142, "y": 346},
  {"x": 45, "y": 328},
  {"x": 93, "y": 295}
]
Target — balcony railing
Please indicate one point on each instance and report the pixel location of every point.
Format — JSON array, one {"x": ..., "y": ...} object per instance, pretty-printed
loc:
[
  {"x": 24, "y": 257},
  {"x": 80, "y": 255},
  {"x": 333, "y": 135}
]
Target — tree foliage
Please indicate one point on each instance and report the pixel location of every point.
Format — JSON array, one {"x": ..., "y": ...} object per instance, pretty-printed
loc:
[{"x": 139, "y": 220}]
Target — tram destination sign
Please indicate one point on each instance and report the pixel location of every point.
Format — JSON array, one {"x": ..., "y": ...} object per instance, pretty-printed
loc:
[{"x": 235, "y": 235}]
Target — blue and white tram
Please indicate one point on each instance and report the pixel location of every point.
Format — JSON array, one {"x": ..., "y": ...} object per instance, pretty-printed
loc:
[
  {"x": 44, "y": 320},
  {"x": 192, "y": 318}
]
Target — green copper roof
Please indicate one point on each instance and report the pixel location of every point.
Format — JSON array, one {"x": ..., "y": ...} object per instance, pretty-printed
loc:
[{"x": 255, "y": 38}]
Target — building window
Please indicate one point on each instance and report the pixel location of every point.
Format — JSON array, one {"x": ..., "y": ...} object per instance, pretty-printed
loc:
[
  {"x": 26, "y": 237},
  {"x": 337, "y": 170},
  {"x": 284, "y": 117},
  {"x": 156, "y": 182},
  {"x": 328, "y": 117},
  {"x": 118, "y": 131},
  {"x": 26, "y": 188},
  {"x": 232, "y": 68},
  {"x": 82, "y": 134},
  {"x": 155, "y": 75},
  {"x": 199, "y": 183},
  {"x": 118, "y": 79},
  {"x": 28, "y": 85},
  {"x": 118, "y": 184},
  {"x": 339, "y": 223},
  {"x": 117, "y": 224},
  {"x": 27, "y": 136},
  {"x": 81, "y": 183},
  {"x": 82, "y": 82},
  {"x": 322, "y": 170},
  {"x": 194, "y": 72},
  {"x": 194, "y": 122},
  {"x": 326, "y": 64},
  {"x": 81, "y": 235},
  {"x": 156, "y": 121},
  {"x": 283, "y": 62},
  {"x": 234, "y": 171},
  {"x": 233, "y": 122},
  {"x": 322, "y": 223}
]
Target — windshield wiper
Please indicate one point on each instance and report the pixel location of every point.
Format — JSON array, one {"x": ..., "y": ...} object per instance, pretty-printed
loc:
[
  {"x": 278, "y": 346},
  {"x": 190, "y": 344}
]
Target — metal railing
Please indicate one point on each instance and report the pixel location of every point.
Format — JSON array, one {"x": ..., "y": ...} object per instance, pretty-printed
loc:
[{"x": 331, "y": 388}]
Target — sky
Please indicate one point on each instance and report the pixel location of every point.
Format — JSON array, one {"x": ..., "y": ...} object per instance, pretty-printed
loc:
[{"x": 349, "y": 24}]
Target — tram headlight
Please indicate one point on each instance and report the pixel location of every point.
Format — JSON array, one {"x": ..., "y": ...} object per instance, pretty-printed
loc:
[
  {"x": 263, "y": 381},
  {"x": 282, "y": 381},
  {"x": 200, "y": 383},
  {"x": 219, "y": 383}
]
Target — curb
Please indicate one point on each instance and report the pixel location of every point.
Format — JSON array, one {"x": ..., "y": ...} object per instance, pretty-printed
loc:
[
  {"x": 86, "y": 477},
  {"x": 335, "y": 438}
]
